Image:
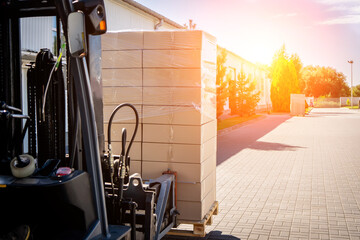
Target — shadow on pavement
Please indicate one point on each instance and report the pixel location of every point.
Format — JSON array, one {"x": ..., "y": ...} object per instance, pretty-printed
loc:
[
  {"x": 213, "y": 235},
  {"x": 268, "y": 146},
  {"x": 230, "y": 143},
  {"x": 330, "y": 113}
]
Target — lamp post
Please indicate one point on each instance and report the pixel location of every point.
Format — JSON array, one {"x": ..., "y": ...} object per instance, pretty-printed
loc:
[{"x": 351, "y": 63}]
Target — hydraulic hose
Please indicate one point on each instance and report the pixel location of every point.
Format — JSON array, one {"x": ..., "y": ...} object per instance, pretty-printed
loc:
[
  {"x": 54, "y": 68},
  {"x": 4, "y": 106},
  {"x": 124, "y": 154},
  {"x": 136, "y": 124}
]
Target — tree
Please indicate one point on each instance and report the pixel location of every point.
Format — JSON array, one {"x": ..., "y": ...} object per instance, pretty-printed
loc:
[
  {"x": 298, "y": 68},
  {"x": 221, "y": 83},
  {"x": 314, "y": 81},
  {"x": 356, "y": 91},
  {"x": 232, "y": 90},
  {"x": 284, "y": 81},
  {"x": 246, "y": 98},
  {"x": 324, "y": 81},
  {"x": 281, "y": 53}
]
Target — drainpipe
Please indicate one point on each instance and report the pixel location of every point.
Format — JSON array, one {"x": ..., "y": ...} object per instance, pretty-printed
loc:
[{"x": 159, "y": 24}]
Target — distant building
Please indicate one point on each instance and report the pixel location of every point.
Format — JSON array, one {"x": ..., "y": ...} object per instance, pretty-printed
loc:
[
  {"x": 131, "y": 15},
  {"x": 235, "y": 64}
]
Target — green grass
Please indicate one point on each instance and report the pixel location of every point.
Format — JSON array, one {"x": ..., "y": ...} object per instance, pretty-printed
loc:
[
  {"x": 327, "y": 104},
  {"x": 234, "y": 121},
  {"x": 353, "y": 107}
]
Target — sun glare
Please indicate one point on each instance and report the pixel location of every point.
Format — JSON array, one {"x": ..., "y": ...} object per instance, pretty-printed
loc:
[{"x": 256, "y": 43}]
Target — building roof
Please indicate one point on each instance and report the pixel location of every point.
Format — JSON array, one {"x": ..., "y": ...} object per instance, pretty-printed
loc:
[
  {"x": 237, "y": 56},
  {"x": 242, "y": 59},
  {"x": 152, "y": 13}
]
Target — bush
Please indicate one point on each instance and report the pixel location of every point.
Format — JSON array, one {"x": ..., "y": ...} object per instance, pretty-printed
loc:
[
  {"x": 245, "y": 97},
  {"x": 348, "y": 102},
  {"x": 326, "y": 104}
]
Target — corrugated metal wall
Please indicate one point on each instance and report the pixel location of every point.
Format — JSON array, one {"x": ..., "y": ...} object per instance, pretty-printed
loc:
[
  {"x": 36, "y": 33},
  {"x": 120, "y": 16}
]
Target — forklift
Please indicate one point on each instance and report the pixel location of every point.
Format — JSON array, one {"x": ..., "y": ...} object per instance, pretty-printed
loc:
[{"x": 66, "y": 186}]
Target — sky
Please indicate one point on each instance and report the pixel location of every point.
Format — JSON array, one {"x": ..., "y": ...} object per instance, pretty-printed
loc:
[{"x": 321, "y": 32}]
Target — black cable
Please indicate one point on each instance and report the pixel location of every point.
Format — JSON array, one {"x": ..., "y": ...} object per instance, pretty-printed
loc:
[
  {"x": 123, "y": 153},
  {"x": 123, "y": 141},
  {"x": 136, "y": 124}
]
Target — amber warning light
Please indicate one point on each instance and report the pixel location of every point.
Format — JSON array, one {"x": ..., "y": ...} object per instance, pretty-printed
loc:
[{"x": 102, "y": 25}]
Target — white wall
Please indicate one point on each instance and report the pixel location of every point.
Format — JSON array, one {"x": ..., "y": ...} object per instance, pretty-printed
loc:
[
  {"x": 36, "y": 33},
  {"x": 122, "y": 16},
  {"x": 233, "y": 61},
  {"x": 355, "y": 100}
]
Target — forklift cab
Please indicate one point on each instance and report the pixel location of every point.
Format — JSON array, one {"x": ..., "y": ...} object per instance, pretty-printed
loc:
[{"x": 56, "y": 187}]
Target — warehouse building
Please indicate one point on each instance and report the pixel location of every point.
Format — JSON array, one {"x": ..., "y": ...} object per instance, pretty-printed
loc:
[{"x": 235, "y": 64}]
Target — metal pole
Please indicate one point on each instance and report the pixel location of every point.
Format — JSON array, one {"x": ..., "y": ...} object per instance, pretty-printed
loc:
[
  {"x": 351, "y": 85},
  {"x": 351, "y": 62}
]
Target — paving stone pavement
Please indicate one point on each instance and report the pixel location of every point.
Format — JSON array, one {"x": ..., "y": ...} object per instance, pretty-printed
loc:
[{"x": 288, "y": 177}]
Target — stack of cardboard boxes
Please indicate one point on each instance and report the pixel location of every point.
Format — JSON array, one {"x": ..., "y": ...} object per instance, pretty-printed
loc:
[{"x": 170, "y": 77}]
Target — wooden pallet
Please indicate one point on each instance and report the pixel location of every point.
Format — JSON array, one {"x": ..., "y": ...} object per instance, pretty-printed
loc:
[{"x": 198, "y": 226}]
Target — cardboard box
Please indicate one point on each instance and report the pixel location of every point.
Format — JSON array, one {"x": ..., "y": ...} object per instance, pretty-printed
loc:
[
  {"x": 179, "y": 115},
  {"x": 181, "y": 153},
  {"x": 209, "y": 148},
  {"x": 178, "y": 96},
  {"x": 208, "y": 107},
  {"x": 171, "y": 58},
  {"x": 173, "y": 40},
  {"x": 122, "y": 77},
  {"x": 123, "y": 115},
  {"x": 208, "y": 77},
  {"x": 171, "y": 115},
  {"x": 171, "y": 96},
  {"x": 116, "y": 131},
  {"x": 204, "y": 77},
  {"x": 179, "y": 134},
  {"x": 122, "y": 41},
  {"x": 178, "y": 40},
  {"x": 209, "y": 52},
  {"x": 209, "y": 130},
  {"x": 154, "y": 77},
  {"x": 135, "y": 167},
  {"x": 196, "y": 210},
  {"x": 118, "y": 95},
  {"x": 122, "y": 59},
  {"x": 196, "y": 191},
  {"x": 186, "y": 172}
]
